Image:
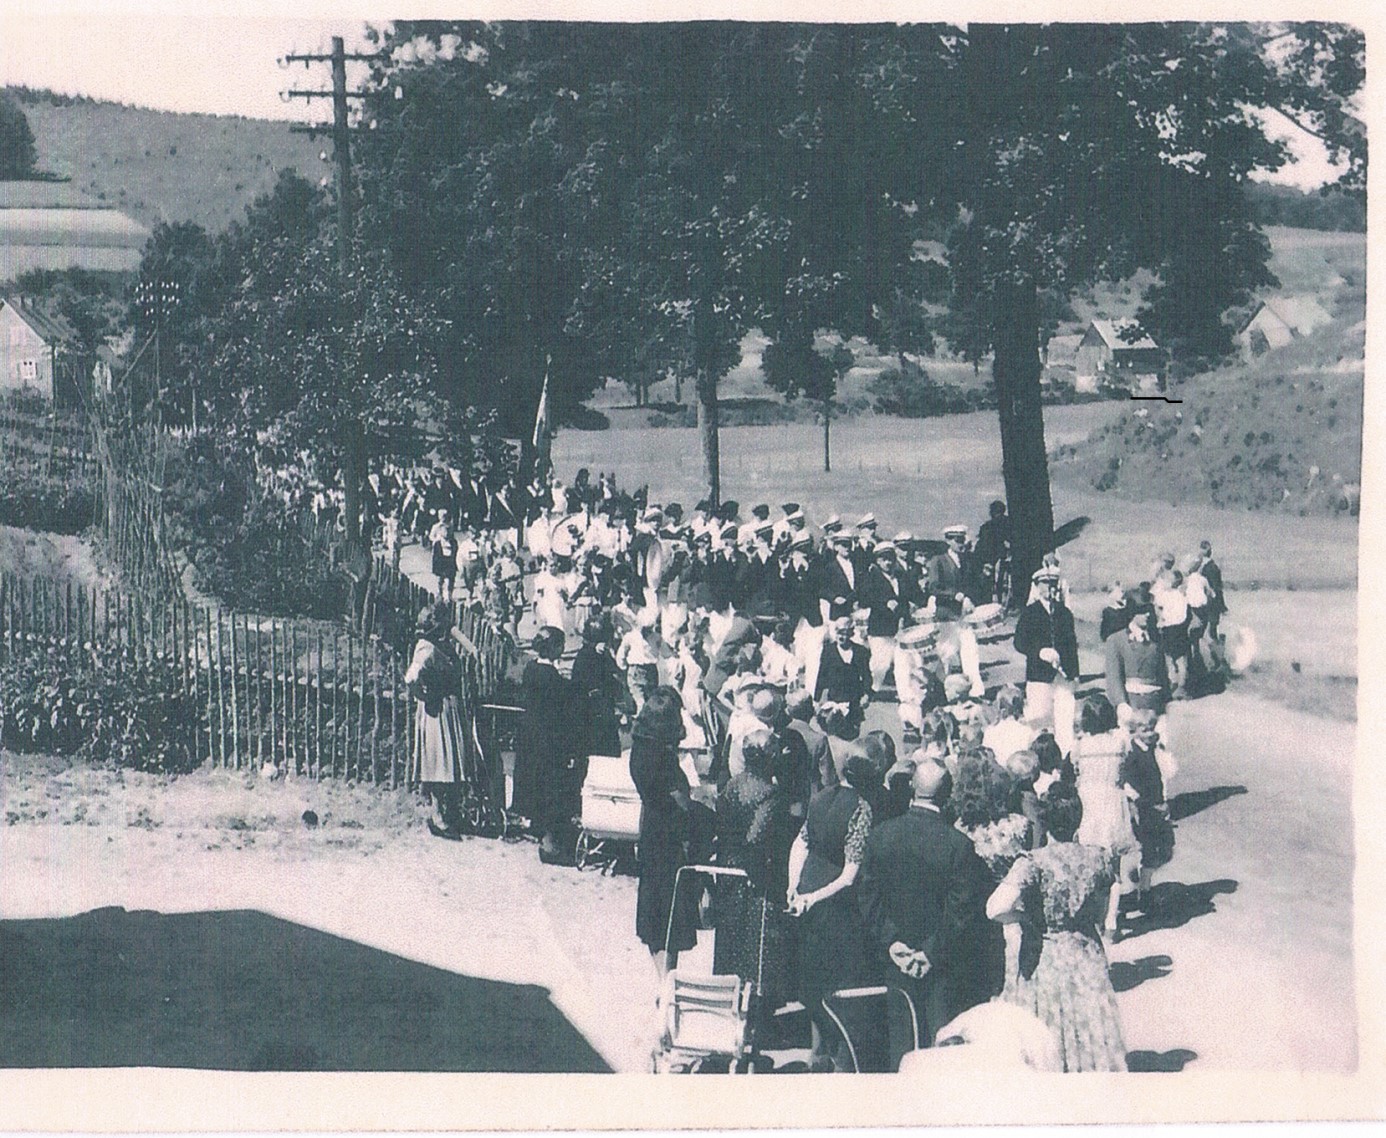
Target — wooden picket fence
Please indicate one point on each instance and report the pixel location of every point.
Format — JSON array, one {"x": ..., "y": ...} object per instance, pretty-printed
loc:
[{"x": 308, "y": 697}]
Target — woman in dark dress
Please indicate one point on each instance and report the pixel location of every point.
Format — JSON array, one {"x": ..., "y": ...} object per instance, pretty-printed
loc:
[
  {"x": 823, "y": 867},
  {"x": 665, "y": 828},
  {"x": 599, "y": 687},
  {"x": 549, "y": 763},
  {"x": 754, "y": 833}
]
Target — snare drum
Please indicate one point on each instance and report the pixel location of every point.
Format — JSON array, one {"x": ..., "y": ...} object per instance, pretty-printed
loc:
[
  {"x": 919, "y": 641},
  {"x": 986, "y": 617}
]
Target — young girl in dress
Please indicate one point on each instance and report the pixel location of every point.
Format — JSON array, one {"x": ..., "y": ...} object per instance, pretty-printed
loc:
[{"x": 1107, "y": 815}]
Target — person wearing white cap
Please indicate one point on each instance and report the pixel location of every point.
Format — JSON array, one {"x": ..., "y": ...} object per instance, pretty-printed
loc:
[
  {"x": 1044, "y": 635},
  {"x": 948, "y": 579}
]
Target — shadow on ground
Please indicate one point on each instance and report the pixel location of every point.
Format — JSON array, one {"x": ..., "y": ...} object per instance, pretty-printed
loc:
[
  {"x": 1146, "y": 1061},
  {"x": 1192, "y": 802},
  {"x": 1127, "y": 975},
  {"x": 1172, "y": 904},
  {"x": 245, "y": 991}
]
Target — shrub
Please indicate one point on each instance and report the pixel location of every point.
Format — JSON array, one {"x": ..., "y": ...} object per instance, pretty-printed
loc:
[
  {"x": 100, "y": 704},
  {"x": 266, "y": 565},
  {"x": 911, "y": 394},
  {"x": 32, "y": 501}
]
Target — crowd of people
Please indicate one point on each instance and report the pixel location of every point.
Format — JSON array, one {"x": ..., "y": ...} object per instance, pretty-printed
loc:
[{"x": 985, "y": 856}]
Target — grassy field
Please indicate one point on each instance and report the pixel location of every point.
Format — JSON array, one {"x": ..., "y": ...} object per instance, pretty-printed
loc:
[
  {"x": 161, "y": 166},
  {"x": 922, "y": 474}
]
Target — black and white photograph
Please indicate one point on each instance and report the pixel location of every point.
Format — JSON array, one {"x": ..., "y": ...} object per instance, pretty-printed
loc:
[{"x": 683, "y": 544}]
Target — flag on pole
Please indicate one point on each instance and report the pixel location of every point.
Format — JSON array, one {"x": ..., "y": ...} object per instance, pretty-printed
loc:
[{"x": 541, "y": 418}]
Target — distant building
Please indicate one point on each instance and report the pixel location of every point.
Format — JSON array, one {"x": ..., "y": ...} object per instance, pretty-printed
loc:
[
  {"x": 1118, "y": 352},
  {"x": 52, "y": 225},
  {"x": 1060, "y": 359},
  {"x": 1279, "y": 321},
  {"x": 40, "y": 352}
]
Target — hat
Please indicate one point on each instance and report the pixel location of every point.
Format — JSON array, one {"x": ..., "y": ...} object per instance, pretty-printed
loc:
[
  {"x": 729, "y": 532},
  {"x": 868, "y": 521},
  {"x": 760, "y": 511},
  {"x": 728, "y": 509},
  {"x": 1045, "y": 573},
  {"x": 886, "y": 547},
  {"x": 652, "y": 514},
  {"x": 791, "y": 509},
  {"x": 832, "y": 525},
  {"x": 904, "y": 537},
  {"x": 673, "y": 510},
  {"x": 956, "y": 527}
]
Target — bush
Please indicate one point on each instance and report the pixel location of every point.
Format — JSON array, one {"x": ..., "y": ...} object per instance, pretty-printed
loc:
[
  {"x": 266, "y": 565},
  {"x": 911, "y": 394},
  {"x": 99, "y": 704},
  {"x": 31, "y": 501}
]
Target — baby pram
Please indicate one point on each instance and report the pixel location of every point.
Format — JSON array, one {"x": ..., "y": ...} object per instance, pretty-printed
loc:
[
  {"x": 610, "y": 812},
  {"x": 706, "y": 1017}
]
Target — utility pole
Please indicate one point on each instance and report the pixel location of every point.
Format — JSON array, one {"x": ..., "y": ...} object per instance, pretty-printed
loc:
[{"x": 353, "y": 431}]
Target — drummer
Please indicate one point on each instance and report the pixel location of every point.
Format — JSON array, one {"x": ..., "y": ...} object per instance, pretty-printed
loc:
[
  {"x": 916, "y": 664},
  {"x": 948, "y": 578},
  {"x": 883, "y": 595}
]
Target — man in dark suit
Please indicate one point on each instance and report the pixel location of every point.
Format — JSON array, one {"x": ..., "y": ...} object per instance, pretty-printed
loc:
[{"x": 923, "y": 891}]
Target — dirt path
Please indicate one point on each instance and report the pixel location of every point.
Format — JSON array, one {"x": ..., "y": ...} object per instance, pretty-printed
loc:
[{"x": 1248, "y": 960}]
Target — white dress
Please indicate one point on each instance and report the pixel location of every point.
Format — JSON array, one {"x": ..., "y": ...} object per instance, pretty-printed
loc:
[{"x": 1106, "y": 808}]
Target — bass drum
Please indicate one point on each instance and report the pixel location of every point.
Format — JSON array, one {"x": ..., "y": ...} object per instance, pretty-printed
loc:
[{"x": 567, "y": 535}]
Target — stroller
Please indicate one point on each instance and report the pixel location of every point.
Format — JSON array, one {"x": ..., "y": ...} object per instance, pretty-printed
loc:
[
  {"x": 610, "y": 812},
  {"x": 706, "y": 1017}
]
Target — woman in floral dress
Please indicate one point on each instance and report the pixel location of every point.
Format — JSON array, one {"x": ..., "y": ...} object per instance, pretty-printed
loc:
[{"x": 1058, "y": 896}]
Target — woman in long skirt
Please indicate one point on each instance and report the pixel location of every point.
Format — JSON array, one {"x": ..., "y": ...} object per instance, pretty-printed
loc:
[
  {"x": 440, "y": 760},
  {"x": 1058, "y": 894}
]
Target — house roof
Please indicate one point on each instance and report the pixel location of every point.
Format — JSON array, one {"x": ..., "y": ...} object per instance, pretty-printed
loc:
[
  {"x": 45, "y": 225},
  {"x": 1123, "y": 335},
  {"x": 43, "y": 319},
  {"x": 1300, "y": 313}
]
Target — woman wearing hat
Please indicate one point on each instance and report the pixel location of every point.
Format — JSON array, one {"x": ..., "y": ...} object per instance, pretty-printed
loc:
[{"x": 439, "y": 762}]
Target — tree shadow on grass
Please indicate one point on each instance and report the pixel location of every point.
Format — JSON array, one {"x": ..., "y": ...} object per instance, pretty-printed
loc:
[
  {"x": 1146, "y": 1061},
  {"x": 1172, "y": 904},
  {"x": 1131, "y": 974},
  {"x": 246, "y": 991},
  {"x": 1071, "y": 530},
  {"x": 1192, "y": 802}
]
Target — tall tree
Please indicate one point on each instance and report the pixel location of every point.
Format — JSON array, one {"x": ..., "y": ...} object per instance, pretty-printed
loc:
[
  {"x": 18, "y": 156},
  {"x": 1087, "y": 151}
]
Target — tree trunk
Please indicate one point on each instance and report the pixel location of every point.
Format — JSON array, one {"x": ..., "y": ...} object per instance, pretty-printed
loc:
[
  {"x": 678, "y": 387},
  {"x": 353, "y": 477},
  {"x": 707, "y": 433},
  {"x": 827, "y": 451},
  {"x": 1024, "y": 464}
]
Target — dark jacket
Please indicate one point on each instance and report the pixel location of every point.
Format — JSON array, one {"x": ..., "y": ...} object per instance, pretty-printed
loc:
[
  {"x": 1039, "y": 628},
  {"x": 922, "y": 884},
  {"x": 844, "y": 679},
  {"x": 885, "y": 601}
]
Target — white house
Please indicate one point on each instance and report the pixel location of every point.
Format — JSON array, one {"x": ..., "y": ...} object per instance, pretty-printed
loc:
[
  {"x": 1279, "y": 321},
  {"x": 39, "y": 351}
]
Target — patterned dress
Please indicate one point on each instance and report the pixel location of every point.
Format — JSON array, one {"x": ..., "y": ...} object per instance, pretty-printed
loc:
[
  {"x": 1062, "y": 977},
  {"x": 832, "y": 935}
]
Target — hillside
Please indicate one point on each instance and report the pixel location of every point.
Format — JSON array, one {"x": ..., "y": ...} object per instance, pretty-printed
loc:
[{"x": 162, "y": 166}]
